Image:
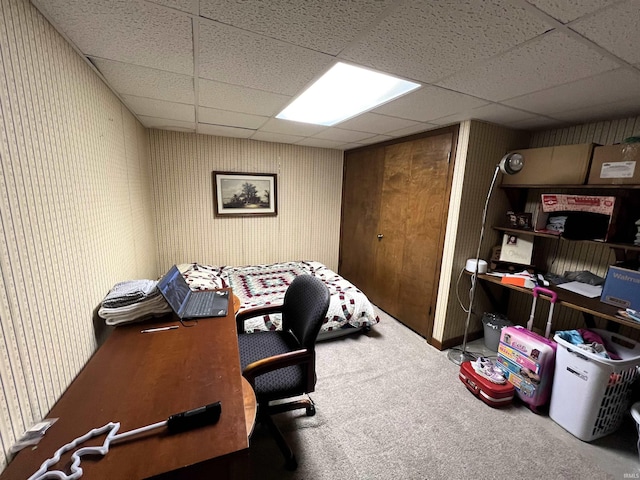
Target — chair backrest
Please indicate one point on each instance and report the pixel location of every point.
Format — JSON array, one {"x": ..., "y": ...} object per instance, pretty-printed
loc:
[{"x": 306, "y": 302}]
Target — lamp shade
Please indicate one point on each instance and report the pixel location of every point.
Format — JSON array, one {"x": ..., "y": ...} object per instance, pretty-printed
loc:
[{"x": 511, "y": 163}]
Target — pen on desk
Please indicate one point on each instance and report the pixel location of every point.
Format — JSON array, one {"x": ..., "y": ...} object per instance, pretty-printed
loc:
[{"x": 159, "y": 329}]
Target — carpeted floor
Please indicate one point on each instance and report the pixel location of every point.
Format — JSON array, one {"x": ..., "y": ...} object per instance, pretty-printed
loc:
[{"x": 390, "y": 406}]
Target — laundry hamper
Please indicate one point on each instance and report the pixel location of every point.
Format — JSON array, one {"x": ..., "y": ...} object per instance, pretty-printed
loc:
[
  {"x": 590, "y": 394},
  {"x": 635, "y": 414}
]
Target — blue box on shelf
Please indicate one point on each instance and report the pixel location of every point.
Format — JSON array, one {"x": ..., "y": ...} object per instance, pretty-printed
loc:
[{"x": 622, "y": 288}]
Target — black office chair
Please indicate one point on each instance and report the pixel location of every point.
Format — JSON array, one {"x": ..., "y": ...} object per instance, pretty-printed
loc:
[{"x": 281, "y": 364}]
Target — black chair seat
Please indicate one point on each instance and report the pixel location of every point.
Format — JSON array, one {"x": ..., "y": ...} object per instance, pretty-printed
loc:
[{"x": 282, "y": 383}]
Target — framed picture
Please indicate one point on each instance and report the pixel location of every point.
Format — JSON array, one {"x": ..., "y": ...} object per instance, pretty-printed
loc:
[{"x": 245, "y": 194}]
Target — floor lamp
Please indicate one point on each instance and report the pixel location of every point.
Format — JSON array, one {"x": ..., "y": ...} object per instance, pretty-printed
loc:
[{"x": 510, "y": 164}]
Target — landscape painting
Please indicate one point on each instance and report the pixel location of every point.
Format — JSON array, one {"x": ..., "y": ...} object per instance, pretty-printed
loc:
[{"x": 244, "y": 194}]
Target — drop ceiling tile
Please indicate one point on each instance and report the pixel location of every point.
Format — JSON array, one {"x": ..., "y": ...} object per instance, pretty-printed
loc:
[
  {"x": 553, "y": 59},
  {"x": 144, "y": 50},
  {"x": 166, "y": 124},
  {"x": 568, "y": 10},
  {"x": 275, "y": 125},
  {"x": 427, "y": 41},
  {"x": 537, "y": 123},
  {"x": 419, "y": 128},
  {"x": 339, "y": 134},
  {"x": 276, "y": 137},
  {"x": 230, "y": 119},
  {"x": 351, "y": 146},
  {"x": 375, "y": 123},
  {"x": 609, "y": 87},
  {"x": 313, "y": 23},
  {"x": 490, "y": 113},
  {"x": 625, "y": 108},
  {"x": 129, "y": 79},
  {"x": 319, "y": 142},
  {"x": 376, "y": 139},
  {"x": 131, "y": 31},
  {"x": 160, "y": 108},
  {"x": 222, "y": 131},
  {"x": 189, "y": 6},
  {"x": 427, "y": 103},
  {"x": 615, "y": 29},
  {"x": 240, "y": 99},
  {"x": 229, "y": 55}
]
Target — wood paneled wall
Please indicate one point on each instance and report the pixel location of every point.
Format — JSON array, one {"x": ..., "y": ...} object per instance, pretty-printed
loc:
[
  {"x": 307, "y": 226},
  {"x": 76, "y": 212},
  {"x": 480, "y": 148},
  {"x": 603, "y": 133}
]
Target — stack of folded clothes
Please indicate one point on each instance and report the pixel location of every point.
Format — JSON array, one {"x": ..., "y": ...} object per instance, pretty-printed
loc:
[{"x": 133, "y": 301}]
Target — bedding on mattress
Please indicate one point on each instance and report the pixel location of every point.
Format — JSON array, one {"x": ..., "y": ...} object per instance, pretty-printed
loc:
[{"x": 258, "y": 285}]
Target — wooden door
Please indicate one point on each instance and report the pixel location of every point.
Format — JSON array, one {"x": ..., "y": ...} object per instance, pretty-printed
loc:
[
  {"x": 395, "y": 201},
  {"x": 359, "y": 223},
  {"x": 427, "y": 202},
  {"x": 394, "y": 210}
]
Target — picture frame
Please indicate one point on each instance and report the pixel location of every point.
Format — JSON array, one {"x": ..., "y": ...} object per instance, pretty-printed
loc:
[{"x": 237, "y": 194}]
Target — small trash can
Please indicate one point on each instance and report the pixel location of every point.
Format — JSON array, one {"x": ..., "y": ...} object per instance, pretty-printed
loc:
[{"x": 493, "y": 324}]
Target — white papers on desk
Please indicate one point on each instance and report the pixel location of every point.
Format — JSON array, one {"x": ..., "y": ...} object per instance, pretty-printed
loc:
[{"x": 591, "y": 291}]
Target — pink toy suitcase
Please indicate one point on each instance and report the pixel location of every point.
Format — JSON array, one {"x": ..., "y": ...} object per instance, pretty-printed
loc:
[{"x": 528, "y": 359}]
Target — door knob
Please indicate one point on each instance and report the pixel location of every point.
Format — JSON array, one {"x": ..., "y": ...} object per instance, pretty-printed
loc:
[{"x": 380, "y": 236}]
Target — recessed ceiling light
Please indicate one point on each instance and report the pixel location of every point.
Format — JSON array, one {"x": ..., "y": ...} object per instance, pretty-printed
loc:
[{"x": 344, "y": 92}]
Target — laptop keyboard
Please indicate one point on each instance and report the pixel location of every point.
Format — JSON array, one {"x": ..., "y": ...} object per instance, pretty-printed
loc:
[{"x": 200, "y": 304}]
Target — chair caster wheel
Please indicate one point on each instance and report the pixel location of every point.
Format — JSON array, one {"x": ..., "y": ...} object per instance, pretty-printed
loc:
[
  {"x": 291, "y": 464},
  {"x": 311, "y": 411}
]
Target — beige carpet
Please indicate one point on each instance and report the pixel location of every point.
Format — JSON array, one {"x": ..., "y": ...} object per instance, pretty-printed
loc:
[{"x": 390, "y": 406}]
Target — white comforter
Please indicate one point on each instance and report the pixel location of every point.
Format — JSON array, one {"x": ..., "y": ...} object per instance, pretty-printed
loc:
[{"x": 258, "y": 285}]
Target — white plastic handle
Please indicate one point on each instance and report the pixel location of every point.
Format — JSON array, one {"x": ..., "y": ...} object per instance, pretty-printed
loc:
[{"x": 43, "y": 472}]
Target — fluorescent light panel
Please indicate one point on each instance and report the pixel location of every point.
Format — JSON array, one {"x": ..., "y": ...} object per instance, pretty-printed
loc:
[{"x": 344, "y": 92}]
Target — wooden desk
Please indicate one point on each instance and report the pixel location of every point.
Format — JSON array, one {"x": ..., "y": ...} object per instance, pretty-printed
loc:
[
  {"x": 250, "y": 406},
  {"x": 236, "y": 304},
  {"x": 590, "y": 307},
  {"x": 142, "y": 378}
]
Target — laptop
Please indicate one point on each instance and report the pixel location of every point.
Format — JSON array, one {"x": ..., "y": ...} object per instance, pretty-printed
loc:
[{"x": 188, "y": 304}]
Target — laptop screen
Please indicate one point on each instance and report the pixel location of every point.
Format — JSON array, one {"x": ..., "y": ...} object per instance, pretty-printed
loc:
[{"x": 174, "y": 288}]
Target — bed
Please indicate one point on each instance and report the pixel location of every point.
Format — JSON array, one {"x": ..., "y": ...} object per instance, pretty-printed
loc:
[{"x": 258, "y": 285}]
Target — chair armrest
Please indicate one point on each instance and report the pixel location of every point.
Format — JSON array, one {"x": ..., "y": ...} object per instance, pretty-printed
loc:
[
  {"x": 269, "y": 364},
  {"x": 255, "y": 312}
]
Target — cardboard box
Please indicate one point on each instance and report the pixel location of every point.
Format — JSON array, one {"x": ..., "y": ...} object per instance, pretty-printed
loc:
[
  {"x": 554, "y": 202},
  {"x": 622, "y": 288},
  {"x": 561, "y": 165},
  {"x": 605, "y": 208},
  {"x": 615, "y": 165}
]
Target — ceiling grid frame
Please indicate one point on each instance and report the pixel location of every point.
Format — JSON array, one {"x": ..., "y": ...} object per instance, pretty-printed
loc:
[{"x": 227, "y": 108}]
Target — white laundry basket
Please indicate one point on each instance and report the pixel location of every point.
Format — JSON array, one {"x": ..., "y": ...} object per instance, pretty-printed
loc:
[
  {"x": 635, "y": 413},
  {"x": 590, "y": 394}
]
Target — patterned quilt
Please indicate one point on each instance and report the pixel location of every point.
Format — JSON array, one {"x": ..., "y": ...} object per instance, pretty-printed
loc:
[{"x": 258, "y": 285}]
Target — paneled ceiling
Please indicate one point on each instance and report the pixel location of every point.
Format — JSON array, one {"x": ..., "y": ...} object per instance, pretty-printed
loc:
[{"x": 227, "y": 67}]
